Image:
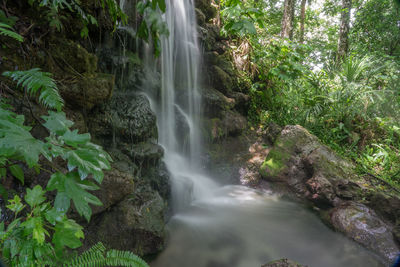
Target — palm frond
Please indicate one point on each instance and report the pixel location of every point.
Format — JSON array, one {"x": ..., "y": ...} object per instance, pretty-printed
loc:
[
  {"x": 35, "y": 80},
  {"x": 7, "y": 30}
]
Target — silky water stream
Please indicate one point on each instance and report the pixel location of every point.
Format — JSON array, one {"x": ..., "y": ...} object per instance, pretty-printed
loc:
[{"x": 229, "y": 225}]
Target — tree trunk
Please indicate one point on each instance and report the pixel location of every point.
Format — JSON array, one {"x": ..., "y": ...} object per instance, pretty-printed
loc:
[
  {"x": 287, "y": 19},
  {"x": 343, "y": 42},
  {"x": 302, "y": 20}
]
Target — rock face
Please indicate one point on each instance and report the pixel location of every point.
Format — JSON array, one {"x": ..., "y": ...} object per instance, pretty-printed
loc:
[
  {"x": 283, "y": 263},
  {"x": 315, "y": 173},
  {"x": 135, "y": 193}
]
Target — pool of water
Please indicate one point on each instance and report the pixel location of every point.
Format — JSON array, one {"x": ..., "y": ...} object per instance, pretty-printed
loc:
[{"x": 237, "y": 226}]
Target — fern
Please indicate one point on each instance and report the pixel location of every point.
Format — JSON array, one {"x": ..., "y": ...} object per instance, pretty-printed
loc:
[
  {"x": 124, "y": 258},
  {"x": 35, "y": 80},
  {"x": 7, "y": 30},
  {"x": 98, "y": 256}
]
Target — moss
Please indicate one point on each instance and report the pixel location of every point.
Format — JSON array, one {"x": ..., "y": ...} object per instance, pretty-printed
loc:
[{"x": 274, "y": 163}]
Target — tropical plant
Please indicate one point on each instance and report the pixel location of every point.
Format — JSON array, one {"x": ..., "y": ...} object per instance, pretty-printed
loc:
[
  {"x": 152, "y": 25},
  {"x": 7, "y": 30},
  {"x": 41, "y": 229},
  {"x": 54, "y": 8}
]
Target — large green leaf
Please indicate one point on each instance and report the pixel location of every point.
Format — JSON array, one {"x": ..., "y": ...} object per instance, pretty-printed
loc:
[
  {"x": 74, "y": 139},
  {"x": 88, "y": 161},
  {"x": 56, "y": 182},
  {"x": 35, "y": 196},
  {"x": 80, "y": 197},
  {"x": 67, "y": 234},
  {"x": 62, "y": 202},
  {"x": 17, "y": 172},
  {"x": 16, "y": 141},
  {"x": 57, "y": 123}
]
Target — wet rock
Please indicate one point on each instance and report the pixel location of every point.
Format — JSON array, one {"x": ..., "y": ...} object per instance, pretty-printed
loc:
[
  {"x": 221, "y": 80},
  {"x": 128, "y": 118},
  {"x": 387, "y": 206},
  {"x": 231, "y": 124},
  {"x": 126, "y": 66},
  {"x": 116, "y": 186},
  {"x": 88, "y": 91},
  {"x": 363, "y": 225},
  {"x": 214, "y": 103},
  {"x": 72, "y": 56},
  {"x": 144, "y": 154},
  {"x": 135, "y": 224},
  {"x": 283, "y": 263}
]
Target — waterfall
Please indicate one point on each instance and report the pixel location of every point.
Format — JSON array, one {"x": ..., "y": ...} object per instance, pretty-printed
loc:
[{"x": 178, "y": 103}]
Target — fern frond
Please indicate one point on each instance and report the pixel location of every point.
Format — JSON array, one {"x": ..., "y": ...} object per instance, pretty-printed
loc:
[
  {"x": 35, "y": 80},
  {"x": 124, "y": 258},
  {"x": 7, "y": 30},
  {"x": 92, "y": 257},
  {"x": 98, "y": 256}
]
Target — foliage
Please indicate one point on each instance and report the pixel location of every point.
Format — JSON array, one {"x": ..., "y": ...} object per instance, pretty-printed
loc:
[
  {"x": 33, "y": 81},
  {"x": 41, "y": 231},
  {"x": 7, "y": 30},
  {"x": 353, "y": 107},
  {"x": 99, "y": 256},
  {"x": 152, "y": 26},
  {"x": 240, "y": 18},
  {"x": 55, "y": 17}
]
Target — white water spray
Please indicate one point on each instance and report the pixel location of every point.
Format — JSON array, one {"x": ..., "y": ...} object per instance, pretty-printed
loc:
[{"x": 178, "y": 104}]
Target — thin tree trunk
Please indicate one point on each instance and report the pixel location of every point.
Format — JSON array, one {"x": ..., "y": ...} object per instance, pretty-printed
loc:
[
  {"x": 343, "y": 42},
  {"x": 287, "y": 19},
  {"x": 302, "y": 20}
]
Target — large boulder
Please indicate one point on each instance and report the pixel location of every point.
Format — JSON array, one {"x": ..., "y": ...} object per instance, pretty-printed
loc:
[
  {"x": 135, "y": 224},
  {"x": 311, "y": 169},
  {"x": 72, "y": 57},
  {"x": 88, "y": 90},
  {"x": 363, "y": 226},
  {"x": 115, "y": 187},
  {"x": 128, "y": 117}
]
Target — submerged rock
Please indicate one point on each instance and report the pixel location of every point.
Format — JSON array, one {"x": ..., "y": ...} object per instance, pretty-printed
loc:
[{"x": 283, "y": 263}]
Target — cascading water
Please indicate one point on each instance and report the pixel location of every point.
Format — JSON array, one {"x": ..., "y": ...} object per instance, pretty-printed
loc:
[
  {"x": 222, "y": 225},
  {"x": 178, "y": 103}
]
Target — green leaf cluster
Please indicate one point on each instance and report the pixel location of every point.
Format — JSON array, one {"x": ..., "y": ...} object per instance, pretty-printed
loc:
[{"x": 152, "y": 26}]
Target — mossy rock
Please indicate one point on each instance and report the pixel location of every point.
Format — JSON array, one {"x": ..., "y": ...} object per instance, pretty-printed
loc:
[
  {"x": 274, "y": 164},
  {"x": 72, "y": 57},
  {"x": 88, "y": 90}
]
